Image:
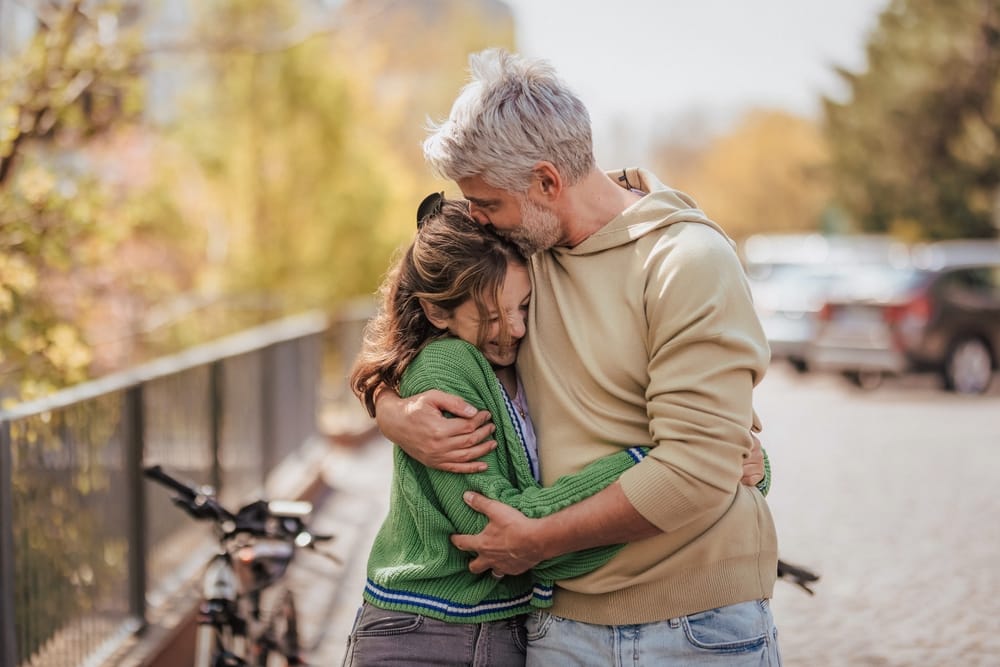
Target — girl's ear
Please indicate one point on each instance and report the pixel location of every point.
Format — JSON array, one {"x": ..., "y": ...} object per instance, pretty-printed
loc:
[{"x": 437, "y": 315}]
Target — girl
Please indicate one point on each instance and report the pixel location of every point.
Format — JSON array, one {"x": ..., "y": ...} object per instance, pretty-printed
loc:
[{"x": 454, "y": 311}]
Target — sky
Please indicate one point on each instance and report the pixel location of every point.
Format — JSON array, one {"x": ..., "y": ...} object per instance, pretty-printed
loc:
[{"x": 644, "y": 64}]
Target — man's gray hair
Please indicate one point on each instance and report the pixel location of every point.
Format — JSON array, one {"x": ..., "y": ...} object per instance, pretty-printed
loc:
[{"x": 512, "y": 114}]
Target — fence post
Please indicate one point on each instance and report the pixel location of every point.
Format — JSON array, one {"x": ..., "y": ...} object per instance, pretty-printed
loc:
[
  {"x": 215, "y": 417},
  {"x": 314, "y": 382},
  {"x": 134, "y": 436},
  {"x": 8, "y": 635},
  {"x": 268, "y": 423}
]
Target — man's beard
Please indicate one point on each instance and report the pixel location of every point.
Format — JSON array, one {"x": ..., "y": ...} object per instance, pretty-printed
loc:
[{"x": 539, "y": 229}]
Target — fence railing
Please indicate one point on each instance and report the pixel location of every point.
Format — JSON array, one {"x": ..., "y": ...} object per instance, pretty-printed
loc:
[{"x": 87, "y": 549}]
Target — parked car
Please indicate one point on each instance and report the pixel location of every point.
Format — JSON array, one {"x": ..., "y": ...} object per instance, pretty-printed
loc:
[
  {"x": 788, "y": 303},
  {"x": 790, "y": 275},
  {"x": 940, "y": 313}
]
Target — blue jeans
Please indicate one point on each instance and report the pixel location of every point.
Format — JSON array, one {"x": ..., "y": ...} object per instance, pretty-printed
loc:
[
  {"x": 393, "y": 638},
  {"x": 735, "y": 635}
]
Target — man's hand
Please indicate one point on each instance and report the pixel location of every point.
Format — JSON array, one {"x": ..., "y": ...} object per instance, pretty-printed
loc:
[
  {"x": 418, "y": 425},
  {"x": 511, "y": 543},
  {"x": 505, "y": 546},
  {"x": 753, "y": 465}
]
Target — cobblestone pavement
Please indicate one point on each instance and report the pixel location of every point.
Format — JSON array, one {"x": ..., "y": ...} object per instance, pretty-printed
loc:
[{"x": 890, "y": 495}]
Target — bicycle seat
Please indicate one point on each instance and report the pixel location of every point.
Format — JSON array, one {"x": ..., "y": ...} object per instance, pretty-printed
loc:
[{"x": 295, "y": 509}]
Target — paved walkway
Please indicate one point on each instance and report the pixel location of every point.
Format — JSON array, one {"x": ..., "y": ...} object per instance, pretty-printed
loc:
[
  {"x": 889, "y": 495},
  {"x": 328, "y": 594}
]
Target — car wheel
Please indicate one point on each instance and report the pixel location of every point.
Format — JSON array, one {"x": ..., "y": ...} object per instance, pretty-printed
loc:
[
  {"x": 864, "y": 379},
  {"x": 969, "y": 367}
]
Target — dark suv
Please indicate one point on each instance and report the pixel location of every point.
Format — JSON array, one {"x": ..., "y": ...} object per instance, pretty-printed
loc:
[{"x": 940, "y": 312}]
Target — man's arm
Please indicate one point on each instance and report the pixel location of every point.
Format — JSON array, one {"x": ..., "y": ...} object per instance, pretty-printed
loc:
[
  {"x": 707, "y": 351},
  {"x": 419, "y": 426},
  {"x": 511, "y": 543}
]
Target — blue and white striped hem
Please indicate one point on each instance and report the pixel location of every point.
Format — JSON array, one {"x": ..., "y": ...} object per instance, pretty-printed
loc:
[
  {"x": 451, "y": 608},
  {"x": 543, "y": 593},
  {"x": 637, "y": 453}
]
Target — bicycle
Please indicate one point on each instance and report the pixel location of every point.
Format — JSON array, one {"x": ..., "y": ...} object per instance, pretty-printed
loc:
[{"x": 245, "y": 617}]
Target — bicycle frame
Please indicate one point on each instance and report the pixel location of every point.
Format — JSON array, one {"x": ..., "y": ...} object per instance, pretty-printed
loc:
[{"x": 256, "y": 545}]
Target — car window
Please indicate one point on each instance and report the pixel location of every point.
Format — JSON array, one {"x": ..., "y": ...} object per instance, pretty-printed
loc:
[
  {"x": 975, "y": 284},
  {"x": 977, "y": 280},
  {"x": 994, "y": 280}
]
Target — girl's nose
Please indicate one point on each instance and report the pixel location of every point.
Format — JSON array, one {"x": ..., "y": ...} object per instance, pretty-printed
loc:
[{"x": 517, "y": 327}]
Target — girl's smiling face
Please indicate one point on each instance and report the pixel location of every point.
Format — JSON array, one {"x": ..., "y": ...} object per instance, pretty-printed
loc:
[{"x": 511, "y": 312}]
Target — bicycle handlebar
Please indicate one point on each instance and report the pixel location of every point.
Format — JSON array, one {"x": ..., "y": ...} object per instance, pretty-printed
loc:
[
  {"x": 199, "y": 504},
  {"x": 202, "y": 504},
  {"x": 157, "y": 473}
]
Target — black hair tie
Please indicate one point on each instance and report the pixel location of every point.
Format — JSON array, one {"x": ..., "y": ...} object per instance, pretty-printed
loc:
[{"x": 431, "y": 205}]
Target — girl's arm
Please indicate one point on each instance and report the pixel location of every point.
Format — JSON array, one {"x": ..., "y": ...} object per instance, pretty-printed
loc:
[{"x": 457, "y": 368}]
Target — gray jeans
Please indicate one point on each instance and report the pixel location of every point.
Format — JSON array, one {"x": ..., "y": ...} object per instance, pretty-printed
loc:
[{"x": 388, "y": 638}]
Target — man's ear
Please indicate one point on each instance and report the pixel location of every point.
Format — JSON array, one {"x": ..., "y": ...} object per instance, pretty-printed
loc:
[
  {"x": 437, "y": 315},
  {"x": 546, "y": 180}
]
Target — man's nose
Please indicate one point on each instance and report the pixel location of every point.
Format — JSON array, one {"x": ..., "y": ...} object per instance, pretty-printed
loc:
[{"x": 478, "y": 215}]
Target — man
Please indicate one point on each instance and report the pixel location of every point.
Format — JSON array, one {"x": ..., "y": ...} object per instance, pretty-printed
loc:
[{"x": 641, "y": 331}]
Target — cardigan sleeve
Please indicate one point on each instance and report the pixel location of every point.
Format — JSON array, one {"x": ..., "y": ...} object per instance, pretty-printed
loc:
[
  {"x": 460, "y": 369},
  {"x": 764, "y": 485}
]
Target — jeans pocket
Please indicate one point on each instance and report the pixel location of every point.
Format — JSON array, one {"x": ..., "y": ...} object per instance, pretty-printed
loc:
[
  {"x": 537, "y": 625},
  {"x": 738, "y": 628},
  {"x": 375, "y": 622}
]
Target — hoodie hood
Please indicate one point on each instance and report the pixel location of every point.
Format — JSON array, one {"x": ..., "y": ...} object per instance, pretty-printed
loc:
[{"x": 661, "y": 206}]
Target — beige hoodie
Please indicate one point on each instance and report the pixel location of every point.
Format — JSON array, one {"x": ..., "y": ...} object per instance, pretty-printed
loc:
[{"x": 645, "y": 334}]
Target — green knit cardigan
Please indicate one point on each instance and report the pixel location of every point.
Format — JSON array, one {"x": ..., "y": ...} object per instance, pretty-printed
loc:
[{"x": 413, "y": 567}]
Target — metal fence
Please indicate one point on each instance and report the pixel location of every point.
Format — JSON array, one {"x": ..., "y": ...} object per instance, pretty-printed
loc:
[{"x": 87, "y": 549}]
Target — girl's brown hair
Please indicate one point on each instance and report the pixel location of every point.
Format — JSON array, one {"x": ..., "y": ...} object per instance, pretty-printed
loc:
[{"x": 452, "y": 259}]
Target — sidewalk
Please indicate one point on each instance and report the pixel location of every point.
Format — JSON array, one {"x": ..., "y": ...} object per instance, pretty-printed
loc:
[{"x": 356, "y": 474}]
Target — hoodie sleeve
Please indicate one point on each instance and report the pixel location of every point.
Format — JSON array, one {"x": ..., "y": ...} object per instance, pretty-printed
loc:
[{"x": 706, "y": 352}]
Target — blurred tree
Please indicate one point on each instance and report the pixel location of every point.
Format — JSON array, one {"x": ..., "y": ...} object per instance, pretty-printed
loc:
[
  {"x": 63, "y": 214},
  {"x": 768, "y": 174},
  {"x": 80, "y": 254},
  {"x": 307, "y": 141},
  {"x": 415, "y": 52},
  {"x": 288, "y": 161},
  {"x": 283, "y": 180},
  {"x": 914, "y": 146}
]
